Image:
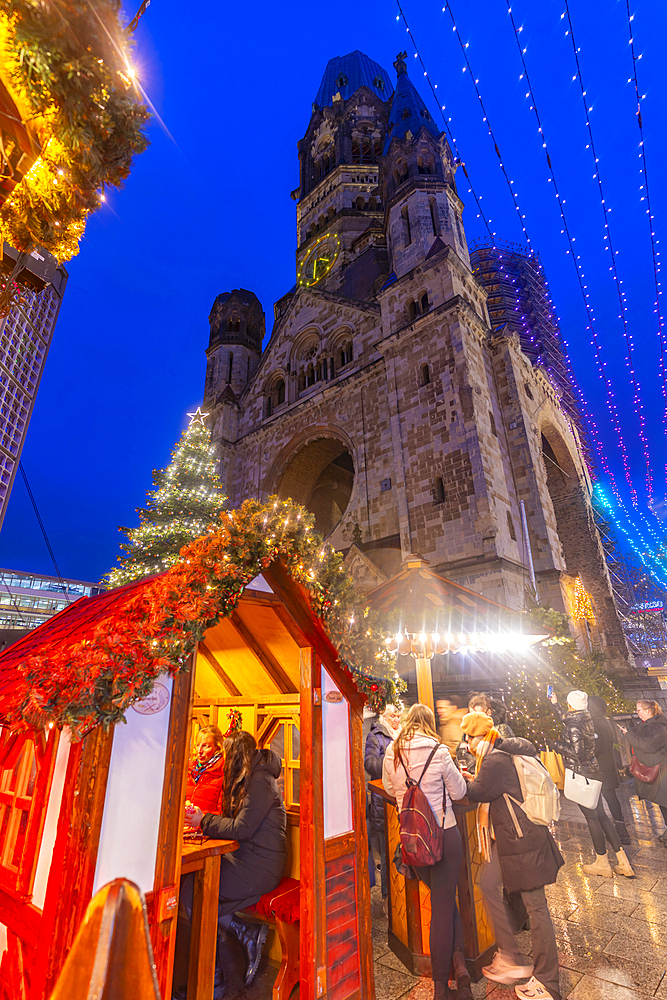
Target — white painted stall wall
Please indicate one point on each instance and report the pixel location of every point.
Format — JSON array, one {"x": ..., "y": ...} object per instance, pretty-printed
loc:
[
  {"x": 337, "y": 771},
  {"x": 131, "y": 820},
  {"x": 51, "y": 821}
]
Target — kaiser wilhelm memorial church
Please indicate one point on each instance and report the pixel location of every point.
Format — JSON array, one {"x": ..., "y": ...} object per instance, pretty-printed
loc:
[{"x": 399, "y": 397}]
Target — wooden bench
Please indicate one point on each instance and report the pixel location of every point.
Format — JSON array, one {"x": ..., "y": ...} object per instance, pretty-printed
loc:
[{"x": 281, "y": 909}]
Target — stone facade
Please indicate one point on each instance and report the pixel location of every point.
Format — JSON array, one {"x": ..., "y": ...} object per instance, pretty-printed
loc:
[{"x": 383, "y": 402}]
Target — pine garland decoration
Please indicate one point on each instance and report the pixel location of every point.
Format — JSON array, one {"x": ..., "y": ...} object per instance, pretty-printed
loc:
[
  {"x": 84, "y": 681},
  {"x": 66, "y": 66}
]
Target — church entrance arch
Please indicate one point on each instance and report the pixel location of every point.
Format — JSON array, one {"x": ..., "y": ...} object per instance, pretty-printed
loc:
[{"x": 319, "y": 475}]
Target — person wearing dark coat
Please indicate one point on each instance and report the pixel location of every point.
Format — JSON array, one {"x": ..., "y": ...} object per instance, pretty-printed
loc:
[
  {"x": 519, "y": 864},
  {"x": 648, "y": 740},
  {"x": 384, "y": 731},
  {"x": 578, "y": 751},
  {"x": 605, "y": 737},
  {"x": 254, "y": 815}
]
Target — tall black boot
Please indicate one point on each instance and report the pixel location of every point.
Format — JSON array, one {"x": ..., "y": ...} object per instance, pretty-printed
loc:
[
  {"x": 622, "y": 831},
  {"x": 251, "y": 937},
  {"x": 219, "y": 987}
]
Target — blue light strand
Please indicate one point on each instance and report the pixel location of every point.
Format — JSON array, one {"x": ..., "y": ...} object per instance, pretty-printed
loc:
[
  {"x": 638, "y": 398},
  {"x": 595, "y": 343},
  {"x": 647, "y": 548}
]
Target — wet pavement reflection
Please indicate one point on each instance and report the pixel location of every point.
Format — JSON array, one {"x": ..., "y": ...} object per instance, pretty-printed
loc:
[{"x": 611, "y": 933}]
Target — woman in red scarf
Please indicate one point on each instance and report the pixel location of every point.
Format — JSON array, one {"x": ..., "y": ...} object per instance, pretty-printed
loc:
[{"x": 206, "y": 771}]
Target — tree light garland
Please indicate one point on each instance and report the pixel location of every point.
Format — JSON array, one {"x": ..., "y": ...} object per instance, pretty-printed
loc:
[{"x": 83, "y": 681}]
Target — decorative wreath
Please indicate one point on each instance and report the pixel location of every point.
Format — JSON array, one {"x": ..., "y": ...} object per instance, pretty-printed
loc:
[
  {"x": 70, "y": 118},
  {"x": 86, "y": 681}
]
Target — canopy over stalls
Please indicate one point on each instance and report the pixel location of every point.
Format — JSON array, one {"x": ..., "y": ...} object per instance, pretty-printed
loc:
[{"x": 438, "y": 616}]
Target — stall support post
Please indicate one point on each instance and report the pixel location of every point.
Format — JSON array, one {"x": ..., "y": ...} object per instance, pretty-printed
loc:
[
  {"x": 313, "y": 875},
  {"x": 425, "y": 683}
]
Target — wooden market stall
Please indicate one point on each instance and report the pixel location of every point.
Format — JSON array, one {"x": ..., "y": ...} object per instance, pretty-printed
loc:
[
  {"x": 75, "y": 816},
  {"x": 439, "y": 617}
]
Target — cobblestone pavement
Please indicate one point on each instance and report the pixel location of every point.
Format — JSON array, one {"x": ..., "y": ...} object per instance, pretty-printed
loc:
[{"x": 611, "y": 933}]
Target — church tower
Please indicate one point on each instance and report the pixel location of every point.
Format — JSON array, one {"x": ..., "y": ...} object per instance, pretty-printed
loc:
[
  {"x": 341, "y": 243},
  {"x": 417, "y": 181},
  {"x": 235, "y": 344},
  {"x": 384, "y": 401}
]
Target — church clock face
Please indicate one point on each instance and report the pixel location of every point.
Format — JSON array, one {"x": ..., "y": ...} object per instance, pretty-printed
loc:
[{"x": 319, "y": 260}]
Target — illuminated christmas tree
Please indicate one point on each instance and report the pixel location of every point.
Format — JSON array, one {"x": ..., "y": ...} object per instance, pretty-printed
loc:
[{"x": 185, "y": 504}]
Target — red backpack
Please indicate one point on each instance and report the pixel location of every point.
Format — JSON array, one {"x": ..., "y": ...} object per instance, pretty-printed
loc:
[{"x": 422, "y": 838}]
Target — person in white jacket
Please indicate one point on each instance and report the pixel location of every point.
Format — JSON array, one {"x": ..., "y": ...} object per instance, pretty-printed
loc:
[{"x": 441, "y": 784}]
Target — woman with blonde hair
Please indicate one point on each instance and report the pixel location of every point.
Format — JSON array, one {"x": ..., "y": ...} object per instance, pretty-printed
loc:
[
  {"x": 206, "y": 772},
  {"x": 417, "y": 754},
  {"x": 648, "y": 740}
]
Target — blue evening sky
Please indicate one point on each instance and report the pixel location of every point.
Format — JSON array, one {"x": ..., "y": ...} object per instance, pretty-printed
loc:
[{"x": 207, "y": 208}]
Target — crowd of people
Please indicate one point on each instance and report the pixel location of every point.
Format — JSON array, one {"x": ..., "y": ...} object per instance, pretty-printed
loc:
[
  {"x": 476, "y": 755},
  {"x": 232, "y": 794}
]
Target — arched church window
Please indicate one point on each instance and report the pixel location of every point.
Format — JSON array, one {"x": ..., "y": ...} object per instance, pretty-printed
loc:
[
  {"x": 372, "y": 205},
  {"x": 332, "y": 367},
  {"x": 359, "y": 204},
  {"x": 230, "y": 365},
  {"x": 402, "y": 171},
  {"x": 412, "y": 310},
  {"x": 356, "y": 151},
  {"x": 269, "y": 406},
  {"x": 279, "y": 391},
  {"x": 310, "y": 375},
  {"x": 378, "y": 82},
  {"x": 230, "y": 325},
  {"x": 424, "y": 113},
  {"x": 366, "y": 151},
  {"x": 405, "y": 113},
  {"x": 346, "y": 354},
  {"x": 301, "y": 382},
  {"x": 424, "y": 305},
  {"x": 425, "y": 374},
  {"x": 237, "y": 326},
  {"x": 318, "y": 371},
  {"x": 438, "y": 490},
  {"x": 407, "y": 235},
  {"x": 341, "y": 80}
]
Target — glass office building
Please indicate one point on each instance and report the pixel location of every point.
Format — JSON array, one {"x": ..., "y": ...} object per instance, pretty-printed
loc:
[{"x": 28, "y": 599}]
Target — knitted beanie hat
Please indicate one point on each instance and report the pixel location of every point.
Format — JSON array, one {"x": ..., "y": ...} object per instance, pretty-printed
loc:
[
  {"x": 476, "y": 724},
  {"x": 578, "y": 700}
]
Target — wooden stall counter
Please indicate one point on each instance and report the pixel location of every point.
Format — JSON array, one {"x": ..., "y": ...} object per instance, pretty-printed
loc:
[
  {"x": 204, "y": 860},
  {"x": 410, "y": 901}
]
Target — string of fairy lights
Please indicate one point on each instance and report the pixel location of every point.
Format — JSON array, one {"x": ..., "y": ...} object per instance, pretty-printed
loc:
[
  {"x": 622, "y": 298},
  {"x": 581, "y": 277},
  {"x": 442, "y": 109},
  {"x": 596, "y": 342},
  {"x": 644, "y": 551},
  {"x": 643, "y": 172}
]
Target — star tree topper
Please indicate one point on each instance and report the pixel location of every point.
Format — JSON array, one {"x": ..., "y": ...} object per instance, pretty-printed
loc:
[{"x": 197, "y": 417}]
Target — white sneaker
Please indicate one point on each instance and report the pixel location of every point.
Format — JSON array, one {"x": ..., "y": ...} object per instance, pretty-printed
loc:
[
  {"x": 504, "y": 971},
  {"x": 533, "y": 990}
]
